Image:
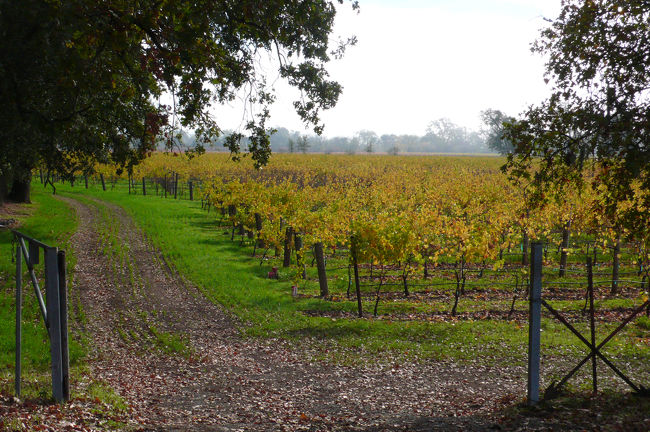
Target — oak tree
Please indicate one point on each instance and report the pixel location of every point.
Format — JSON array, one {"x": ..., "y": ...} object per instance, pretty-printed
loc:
[
  {"x": 87, "y": 80},
  {"x": 598, "y": 64}
]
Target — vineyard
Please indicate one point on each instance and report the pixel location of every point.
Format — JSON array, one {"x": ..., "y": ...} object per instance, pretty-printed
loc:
[
  {"x": 191, "y": 270},
  {"x": 415, "y": 238}
]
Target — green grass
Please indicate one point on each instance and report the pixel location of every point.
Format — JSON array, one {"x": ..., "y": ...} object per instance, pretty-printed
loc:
[
  {"x": 108, "y": 405},
  {"x": 643, "y": 323},
  {"x": 202, "y": 251},
  {"x": 106, "y": 395},
  {"x": 51, "y": 222},
  {"x": 171, "y": 343}
]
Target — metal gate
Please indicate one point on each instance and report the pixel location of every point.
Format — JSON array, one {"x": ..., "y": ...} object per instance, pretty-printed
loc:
[
  {"x": 534, "y": 332},
  {"x": 54, "y": 309}
]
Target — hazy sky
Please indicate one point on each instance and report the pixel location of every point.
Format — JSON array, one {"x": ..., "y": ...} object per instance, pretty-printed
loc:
[{"x": 420, "y": 60}]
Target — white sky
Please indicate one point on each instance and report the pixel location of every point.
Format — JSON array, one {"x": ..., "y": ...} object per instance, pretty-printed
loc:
[{"x": 420, "y": 60}]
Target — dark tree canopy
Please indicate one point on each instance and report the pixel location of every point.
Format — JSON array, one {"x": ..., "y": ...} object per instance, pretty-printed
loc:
[
  {"x": 599, "y": 112},
  {"x": 83, "y": 80}
]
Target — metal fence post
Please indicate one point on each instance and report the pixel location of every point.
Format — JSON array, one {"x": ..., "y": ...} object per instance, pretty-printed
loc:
[
  {"x": 34, "y": 252},
  {"x": 63, "y": 308},
  {"x": 54, "y": 321},
  {"x": 592, "y": 324},
  {"x": 534, "y": 322},
  {"x": 19, "y": 306}
]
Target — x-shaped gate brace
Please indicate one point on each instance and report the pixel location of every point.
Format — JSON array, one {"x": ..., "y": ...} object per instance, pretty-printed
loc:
[
  {"x": 534, "y": 328},
  {"x": 553, "y": 389}
]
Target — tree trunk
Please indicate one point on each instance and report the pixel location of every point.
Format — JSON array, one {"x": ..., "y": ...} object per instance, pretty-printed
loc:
[
  {"x": 20, "y": 189},
  {"x": 4, "y": 177}
]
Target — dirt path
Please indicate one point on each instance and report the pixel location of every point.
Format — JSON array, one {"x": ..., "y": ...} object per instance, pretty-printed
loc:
[{"x": 229, "y": 383}]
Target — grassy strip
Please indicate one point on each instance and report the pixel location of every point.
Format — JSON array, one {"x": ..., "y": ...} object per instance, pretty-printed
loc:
[
  {"x": 145, "y": 334},
  {"x": 204, "y": 253}
]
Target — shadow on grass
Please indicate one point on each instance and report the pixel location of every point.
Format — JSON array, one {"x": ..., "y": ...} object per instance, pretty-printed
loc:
[
  {"x": 325, "y": 332},
  {"x": 199, "y": 220}
]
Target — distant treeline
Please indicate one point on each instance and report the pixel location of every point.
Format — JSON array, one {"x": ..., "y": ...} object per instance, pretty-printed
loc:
[{"x": 442, "y": 136}]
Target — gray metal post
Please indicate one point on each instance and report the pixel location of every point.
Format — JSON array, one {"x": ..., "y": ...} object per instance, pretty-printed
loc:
[
  {"x": 592, "y": 324},
  {"x": 144, "y": 186},
  {"x": 33, "y": 253},
  {"x": 54, "y": 319},
  {"x": 19, "y": 313},
  {"x": 191, "y": 186},
  {"x": 63, "y": 307},
  {"x": 534, "y": 322}
]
